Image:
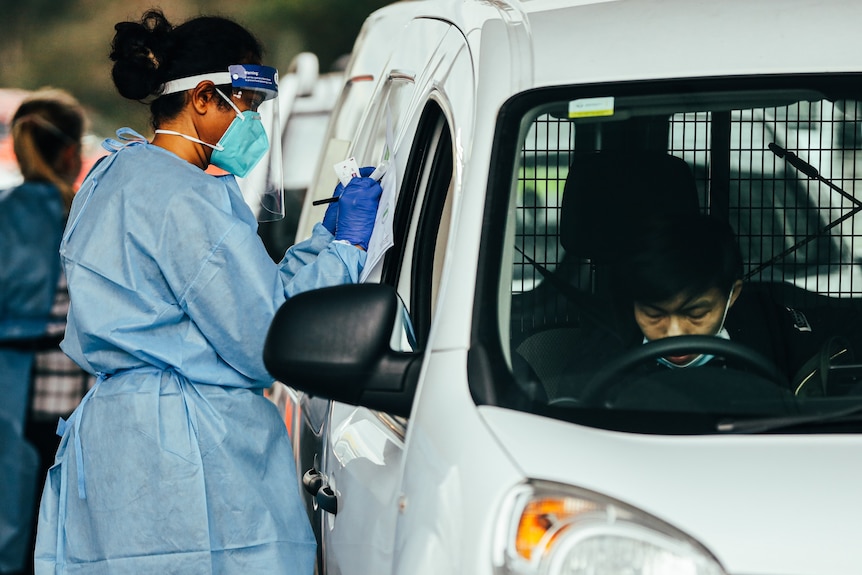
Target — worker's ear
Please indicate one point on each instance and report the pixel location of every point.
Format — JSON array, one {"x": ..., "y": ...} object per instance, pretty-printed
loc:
[
  {"x": 735, "y": 291},
  {"x": 203, "y": 96}
]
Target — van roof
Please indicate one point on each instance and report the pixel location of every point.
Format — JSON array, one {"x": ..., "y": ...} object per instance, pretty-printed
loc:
[
  {"x": 592, "y": 41},
  {"x": 635, "y": 39}
]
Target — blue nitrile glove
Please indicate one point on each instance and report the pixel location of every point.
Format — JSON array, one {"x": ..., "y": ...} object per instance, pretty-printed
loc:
[
  {"x": 357, "y": 210},
  {"x": 332, "y": 210}
]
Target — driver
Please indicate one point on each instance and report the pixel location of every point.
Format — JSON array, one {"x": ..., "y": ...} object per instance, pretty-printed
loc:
[{"x": 684, "y": 277}]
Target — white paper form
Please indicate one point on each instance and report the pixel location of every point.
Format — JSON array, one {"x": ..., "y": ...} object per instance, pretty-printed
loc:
[{"x": 382, "y": 236}]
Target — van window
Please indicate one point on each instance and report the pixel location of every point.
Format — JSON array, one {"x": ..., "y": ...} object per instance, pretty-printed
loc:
[
  {"x": 389, "y": 115},
  {"x": 422, "y": 220},
  {"x": 591, "y": 257}
]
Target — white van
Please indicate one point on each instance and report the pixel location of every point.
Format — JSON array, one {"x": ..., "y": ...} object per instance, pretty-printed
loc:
[{"x": 440, "y": 418}]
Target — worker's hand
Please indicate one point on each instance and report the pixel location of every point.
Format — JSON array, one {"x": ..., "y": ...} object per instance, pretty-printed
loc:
[
  {"x": 331, "y": 214},
  {"x": 357, "y": 210}
]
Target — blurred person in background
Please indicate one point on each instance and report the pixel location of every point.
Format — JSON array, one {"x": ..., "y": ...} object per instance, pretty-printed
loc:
[
  {"x": 36, "y": 377},
  {"x": 174, "y": 461}
]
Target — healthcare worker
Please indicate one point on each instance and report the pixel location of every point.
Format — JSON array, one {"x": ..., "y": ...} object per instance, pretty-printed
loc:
[
  {"x": 175, "y": 462},
  {"x": 46, "y": 135}
]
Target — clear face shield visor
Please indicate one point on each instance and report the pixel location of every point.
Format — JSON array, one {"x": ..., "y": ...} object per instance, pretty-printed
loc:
[{"x": 252, "y": 151}]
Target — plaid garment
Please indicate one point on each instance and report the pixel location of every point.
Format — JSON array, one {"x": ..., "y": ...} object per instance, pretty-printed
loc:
[{"x": 58, "y": 382}]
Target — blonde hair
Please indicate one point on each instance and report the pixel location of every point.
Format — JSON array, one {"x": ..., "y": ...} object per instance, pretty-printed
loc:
[{"x": 45, "y": 125}]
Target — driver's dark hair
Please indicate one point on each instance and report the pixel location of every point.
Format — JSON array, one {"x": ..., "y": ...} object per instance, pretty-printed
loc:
[
  {"x": 148, "y": 53},
  {"x": 681, "y": 255}
]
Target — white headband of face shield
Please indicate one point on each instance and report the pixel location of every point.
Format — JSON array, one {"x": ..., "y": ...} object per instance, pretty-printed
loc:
[{"x": 183, "y": 84}]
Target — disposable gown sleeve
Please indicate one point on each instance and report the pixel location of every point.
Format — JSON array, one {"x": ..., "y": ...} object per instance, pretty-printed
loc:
[
  {"x": 229, "y": 287},
  {"x": 335, "y": 263}
]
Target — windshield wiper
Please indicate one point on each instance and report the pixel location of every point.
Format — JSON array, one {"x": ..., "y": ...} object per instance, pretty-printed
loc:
[
  {"x": 811, "y": 172},
  {"x": 766, "y": 424}
]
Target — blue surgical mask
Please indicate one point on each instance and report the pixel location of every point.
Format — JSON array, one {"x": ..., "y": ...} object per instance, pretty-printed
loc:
[
  {"x": 698, "y": 361},
  {"x": 242, "y": 145}
]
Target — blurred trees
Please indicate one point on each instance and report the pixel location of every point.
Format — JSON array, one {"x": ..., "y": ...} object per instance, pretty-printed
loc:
[
  {"x": 65, "y": 43},
  {"x": 327, "y": 27}
]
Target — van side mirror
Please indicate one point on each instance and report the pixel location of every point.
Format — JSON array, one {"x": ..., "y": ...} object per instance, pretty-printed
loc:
[{"x": 335, "y": 343}]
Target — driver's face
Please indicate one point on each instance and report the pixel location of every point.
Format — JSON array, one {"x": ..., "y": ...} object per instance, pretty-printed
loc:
[{"x": 701, "y": 314}]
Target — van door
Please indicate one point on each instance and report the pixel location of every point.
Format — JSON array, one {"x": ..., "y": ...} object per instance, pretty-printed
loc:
[{"x": 363, "y": 449}]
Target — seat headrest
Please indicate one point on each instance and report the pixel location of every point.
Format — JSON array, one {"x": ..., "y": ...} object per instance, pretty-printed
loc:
[{"x": 609, "y": 193}]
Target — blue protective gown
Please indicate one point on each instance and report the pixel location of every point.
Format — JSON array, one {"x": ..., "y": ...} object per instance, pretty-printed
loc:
[
  {"x": 175, "y": 462},
  {"x": 31, "y": 222}
]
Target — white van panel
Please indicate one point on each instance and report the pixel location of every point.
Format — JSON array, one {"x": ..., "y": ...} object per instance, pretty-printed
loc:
[{"x": 683, "y": 480}]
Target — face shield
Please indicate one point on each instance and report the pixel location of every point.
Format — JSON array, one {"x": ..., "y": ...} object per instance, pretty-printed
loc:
[{"x": 251, "y": 146}]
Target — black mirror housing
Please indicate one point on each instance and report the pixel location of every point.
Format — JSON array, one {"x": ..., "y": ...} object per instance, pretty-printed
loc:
[{"x": 335, "y": 343}]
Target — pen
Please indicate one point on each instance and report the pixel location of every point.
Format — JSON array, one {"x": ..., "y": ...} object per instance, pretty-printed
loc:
[
  {"x": 377, "y": 174},
  {"x": 325, "y": 201}
]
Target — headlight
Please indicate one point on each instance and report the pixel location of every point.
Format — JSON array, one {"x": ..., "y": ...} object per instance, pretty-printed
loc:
[{"x": 553, "y": 529}]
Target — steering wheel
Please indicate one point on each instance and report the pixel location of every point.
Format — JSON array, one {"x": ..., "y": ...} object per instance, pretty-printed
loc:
[{"x": 599, "y": 385}]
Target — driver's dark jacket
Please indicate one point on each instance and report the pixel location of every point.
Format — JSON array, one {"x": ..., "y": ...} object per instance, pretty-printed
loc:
[{"x": 792, "y": 336}]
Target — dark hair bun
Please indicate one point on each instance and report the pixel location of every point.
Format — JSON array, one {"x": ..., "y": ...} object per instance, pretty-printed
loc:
[{"x": 137, "y": 51}]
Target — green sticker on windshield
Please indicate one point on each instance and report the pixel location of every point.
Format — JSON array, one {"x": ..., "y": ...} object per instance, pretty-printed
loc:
[{"x": 588, "y": 107}]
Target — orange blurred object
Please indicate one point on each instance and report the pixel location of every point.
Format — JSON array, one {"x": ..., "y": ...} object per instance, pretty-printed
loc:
[
  {"x": 537, "y": 519},
  {"x": 7, "y": 154},
  {"x": 545, "y": 518}
]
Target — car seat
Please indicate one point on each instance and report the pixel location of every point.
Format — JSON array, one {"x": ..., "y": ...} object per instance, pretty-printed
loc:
[{"x": 607, "y": 195}]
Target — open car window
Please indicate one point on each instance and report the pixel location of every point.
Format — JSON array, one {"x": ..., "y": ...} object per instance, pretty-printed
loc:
[{"x": 779, "y": 159}]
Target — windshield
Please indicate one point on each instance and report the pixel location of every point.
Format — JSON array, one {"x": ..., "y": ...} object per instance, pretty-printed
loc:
[{"x": 629, "y": 215}]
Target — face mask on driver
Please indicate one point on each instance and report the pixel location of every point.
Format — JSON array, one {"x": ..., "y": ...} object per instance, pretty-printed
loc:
[{"x": 703, "y": 358}]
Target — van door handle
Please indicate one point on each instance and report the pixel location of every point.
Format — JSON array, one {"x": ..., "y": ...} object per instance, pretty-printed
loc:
[
  {"x": 327, "y": 500},
  {"x": 312, "y": 481}
]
